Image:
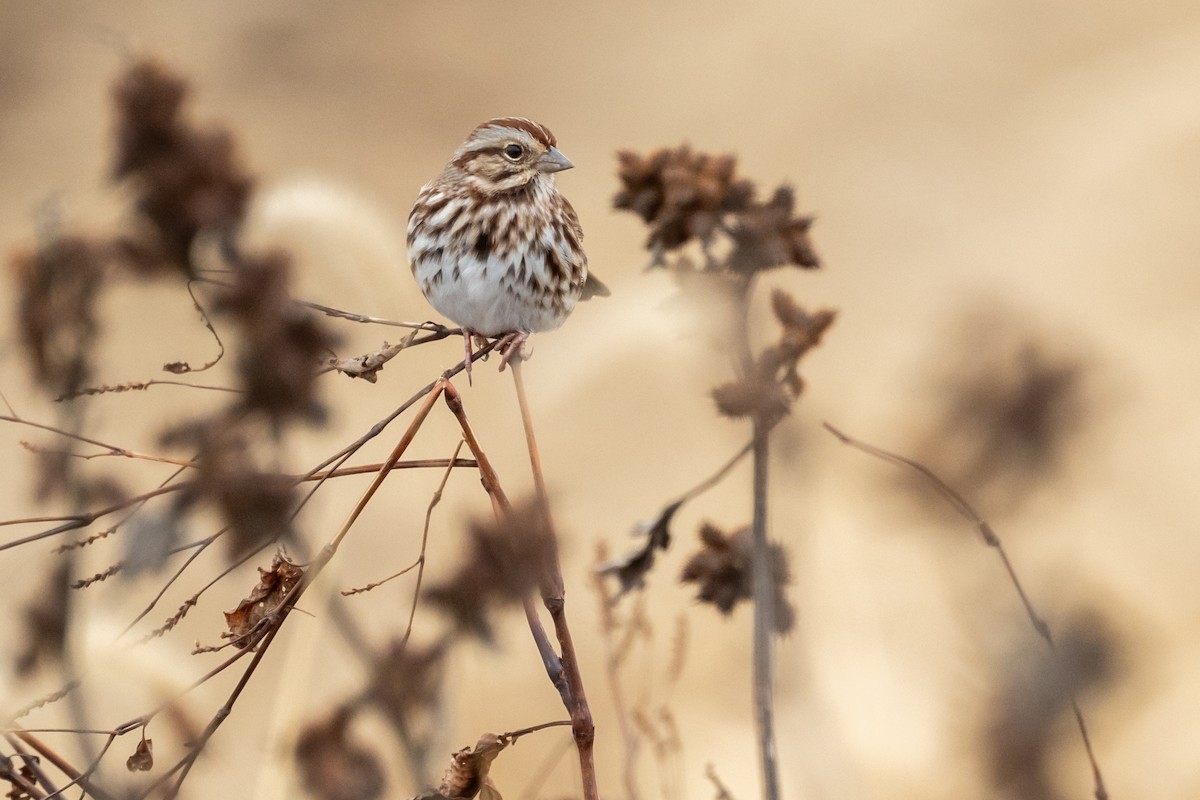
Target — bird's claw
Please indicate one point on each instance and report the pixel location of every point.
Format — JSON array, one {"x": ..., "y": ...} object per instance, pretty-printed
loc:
[{"x": 513, "y": 345}]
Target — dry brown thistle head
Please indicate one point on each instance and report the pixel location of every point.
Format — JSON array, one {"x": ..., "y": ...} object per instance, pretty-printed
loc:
[
  {"x": 186, "y": 179},
  {"x": 1039, "y": 689},
  {"x": 1006, "y": 399},
  {"x": 682, "y": 195},
  {"x": 771, "y": 383},
  {"x": 45, "y": 623},
  {"x": 722, "y": 570}
]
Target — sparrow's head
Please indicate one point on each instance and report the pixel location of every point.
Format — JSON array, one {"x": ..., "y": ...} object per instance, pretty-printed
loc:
[{"x": 508, "y": 153}]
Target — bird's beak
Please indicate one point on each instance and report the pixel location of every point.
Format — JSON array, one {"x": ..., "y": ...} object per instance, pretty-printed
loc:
[{"x": 553, "y": 161}]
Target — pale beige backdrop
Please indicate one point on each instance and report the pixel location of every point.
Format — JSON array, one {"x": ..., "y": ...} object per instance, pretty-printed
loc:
[{"x": 1039, "y": 157}]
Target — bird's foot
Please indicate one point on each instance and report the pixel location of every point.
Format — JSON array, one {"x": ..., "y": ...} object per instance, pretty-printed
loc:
[{"x": 513, "y": 346}]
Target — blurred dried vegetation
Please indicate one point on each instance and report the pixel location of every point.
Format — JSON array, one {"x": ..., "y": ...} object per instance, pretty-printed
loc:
[{"x": 977, "y": 150}]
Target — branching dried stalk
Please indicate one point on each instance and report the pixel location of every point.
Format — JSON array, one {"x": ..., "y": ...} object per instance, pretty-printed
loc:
[{"x": 989, "y": 537}]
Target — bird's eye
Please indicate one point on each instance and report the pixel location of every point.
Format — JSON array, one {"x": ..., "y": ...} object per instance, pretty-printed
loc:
[{"x": 514, "y": 151}]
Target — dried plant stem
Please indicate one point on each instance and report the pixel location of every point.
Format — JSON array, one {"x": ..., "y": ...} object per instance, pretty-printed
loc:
[
  {"x": 764, "y": 617},
  {"x": 761, "y": 578},
  {"x": 78, "y": 778},
  {"x": 405, "y": 440},
  {"x": 433, "y": 501},
  {"x": 34, "y": 765},
  {"x": 581, "y": 715},
  {"x": 500, "y": 507},
  {"x": 968, "y": 512},
  {"x": 275, "y": 621}
]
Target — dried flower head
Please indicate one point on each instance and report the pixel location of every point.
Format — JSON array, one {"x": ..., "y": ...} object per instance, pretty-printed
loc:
[
  {"x": 46, "y": 621},
  {"x": 767, "y": 235},
  {"x": 186, "y": 180},
  {"x": 1038, "y": 690},
  {"x": 1012, "y": 400},
  {"x": 722, "y": 568},
  {"x": 772, "y": 382},
  {"x": 407, "y": 681},
  {"x": 682, "y": 195}
]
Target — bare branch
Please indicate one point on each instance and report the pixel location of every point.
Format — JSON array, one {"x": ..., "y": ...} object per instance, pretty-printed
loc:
[{"x": 990, "y": 538}]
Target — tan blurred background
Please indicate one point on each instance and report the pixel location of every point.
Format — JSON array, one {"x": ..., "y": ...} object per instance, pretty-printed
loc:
[{"x": 983, "y": 173}]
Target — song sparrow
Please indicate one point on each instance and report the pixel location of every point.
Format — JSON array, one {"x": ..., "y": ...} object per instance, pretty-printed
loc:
[{"x": 492, "y": 243}]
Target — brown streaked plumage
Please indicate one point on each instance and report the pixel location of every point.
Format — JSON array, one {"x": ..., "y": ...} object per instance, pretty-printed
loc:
[{"x": 493, "y": 244}]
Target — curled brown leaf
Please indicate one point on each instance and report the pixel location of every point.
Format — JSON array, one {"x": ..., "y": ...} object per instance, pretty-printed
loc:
[
  {"x": 467, "y": 775},
  {"x": 266, "y": 598},
  {"x": 142, "y": 759}
]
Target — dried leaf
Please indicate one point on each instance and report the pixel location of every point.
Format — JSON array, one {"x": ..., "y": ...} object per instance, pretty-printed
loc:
[
  {"x": 467, "y": 774},
  {"x": 631, "y": 569},
  {"x": 142, "y": 759},
  {"x": 265, "y": 599}
]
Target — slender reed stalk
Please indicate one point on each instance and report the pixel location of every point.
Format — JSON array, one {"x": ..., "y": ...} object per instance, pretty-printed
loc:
[{"x": 553, "y": 592}]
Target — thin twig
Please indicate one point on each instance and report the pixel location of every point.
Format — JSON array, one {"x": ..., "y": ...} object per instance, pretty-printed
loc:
[
  {"x": 512, "y": 736},
  {"x": 581, "y": 716},
  {"x": 716, "y": 477},
  {"x": 274, "y": 622},
  {"x": 81, "y": 779},
  {"x": 990, "y": 538},
  {"x": 354, "y": 317},
  {"x": 437, "y": 498},
  {"x": 34, "y": 765}
]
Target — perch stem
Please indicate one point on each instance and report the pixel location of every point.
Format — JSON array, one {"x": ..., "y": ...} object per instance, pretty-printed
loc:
[
  {"x": 764, "y": 617},
  {"x": 553, "y": 597}
]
